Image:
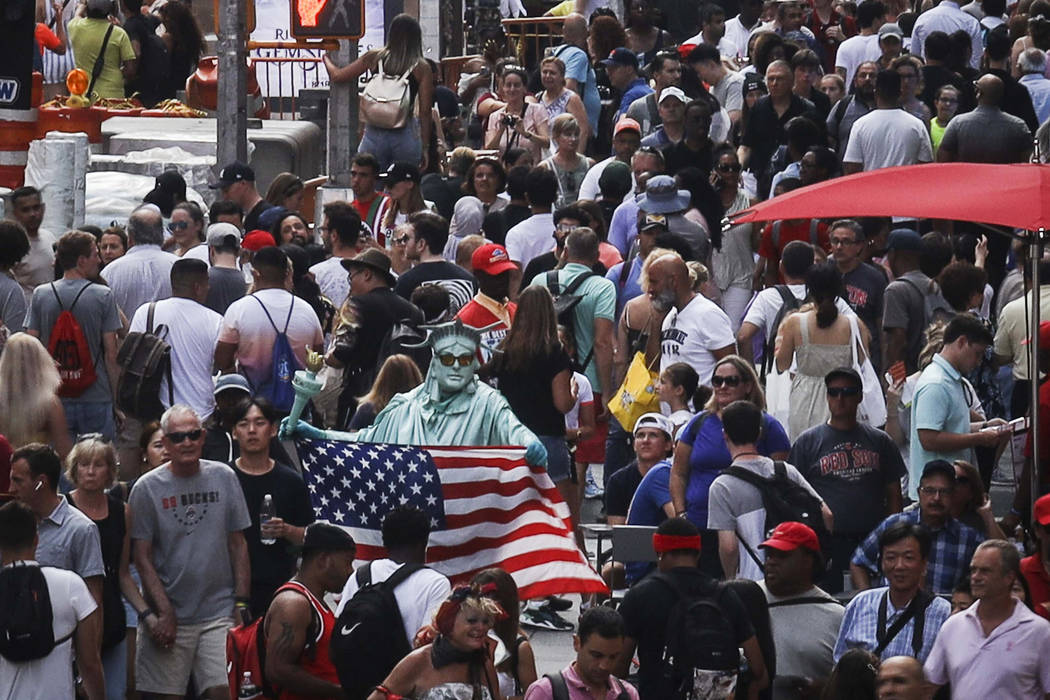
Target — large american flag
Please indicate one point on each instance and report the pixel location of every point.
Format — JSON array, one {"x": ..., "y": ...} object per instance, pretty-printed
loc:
[{"x": 487, "y": 508}]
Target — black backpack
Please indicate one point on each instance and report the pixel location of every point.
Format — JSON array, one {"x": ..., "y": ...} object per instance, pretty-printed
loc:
[
  {"x": 405, "y": 338},
  {"x": 783, "y": 500},
  {"x": 144, "y": 358},
  {"x": 565, "y": 302},
  {"x": 789, "y": 303},
  {"x": 26, "y": 617},
  {"x": 699, "y": 636},
  {"x": 369, "y": 636}
]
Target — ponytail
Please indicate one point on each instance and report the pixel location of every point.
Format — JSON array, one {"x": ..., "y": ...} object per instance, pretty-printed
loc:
[{"x": 826, "y": 312}]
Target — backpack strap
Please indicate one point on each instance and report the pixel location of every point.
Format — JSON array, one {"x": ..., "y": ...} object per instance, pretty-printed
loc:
[
  {"x": 149, "y": 329},
  {"x": 551, "y": 282},
  {"x": 265, "y": 311},
  {"x": 315, "y": 604},
  {"x": 403, "y": 572},
  {"x": 776, "y": 234},
  {"x": 559, "y": 688},
  {"x": 364, "y": 576},
  {"x": 916, "y": 608},
  {"x": 761, "y": 483},
  {"x": 786, "y": 298},
  {"x": 577, "y": 282},
  {"x": 813, "y": 226}
]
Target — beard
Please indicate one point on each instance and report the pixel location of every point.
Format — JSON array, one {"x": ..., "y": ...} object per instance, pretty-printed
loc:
[{"x": 663, "y": 301}]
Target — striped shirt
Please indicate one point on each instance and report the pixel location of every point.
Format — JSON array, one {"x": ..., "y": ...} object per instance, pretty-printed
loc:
[{"x": 861, "y": 622}]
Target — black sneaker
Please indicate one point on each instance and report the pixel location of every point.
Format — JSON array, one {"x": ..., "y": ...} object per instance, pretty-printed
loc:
[{"x": 545, "y": 619}]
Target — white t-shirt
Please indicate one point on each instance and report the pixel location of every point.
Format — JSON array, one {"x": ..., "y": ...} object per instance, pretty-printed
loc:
[
  {"x": 855, "y": 51},
  {"x": 691, "y": 334},
  {"x": 333, "y": 279},
  {"x": 38, "y": 265},
  {"x": 418, "y": 597},
  {"x": 764, "y": 307},
  {"x": 193, "y": 331},
  {"x": 51, "y": 676},
  {"x": 584, "y": 395},
  {"x": 198, "y": 252},
  {"x": 589, "y": 187},
  {"x": 246, "y": 326},
  {"x": 531, "y": 238},
  {"x": 726, "y": 46},
  {"x": 738, "y": 34},
  {"x": 888, "y": 137}
]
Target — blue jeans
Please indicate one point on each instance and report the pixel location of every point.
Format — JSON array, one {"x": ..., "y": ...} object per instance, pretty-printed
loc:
[
  {"x": 115, "y": 670},
  {"x": 559, "y": 462},
  {"x": 392, "y": 145},
  {"x": 84, "y": 417},
  {"x": 618, "y": 449}
]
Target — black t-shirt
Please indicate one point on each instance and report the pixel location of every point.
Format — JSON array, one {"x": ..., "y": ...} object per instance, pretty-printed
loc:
[
  {"x": 460, "y": 284},
  {"x": 850, "y": 470},
  {"x": 251, "y": 219},
  {"x": 679, "y": 155},
  {"x": 443, "y": 191},
  {"x": 528, "y": 391},
  {"x": 620, "y": 488},
  {"x": 765, "y": 129},
  {"x": 864, "y": 289},
  {"x": 646, "y": 609},
  {"x": 514, "y": 214},
  {"x": 273, "y": 564}
]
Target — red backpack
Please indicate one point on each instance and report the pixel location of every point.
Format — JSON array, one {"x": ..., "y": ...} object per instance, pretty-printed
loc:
[{"x": 69, "y": 347}]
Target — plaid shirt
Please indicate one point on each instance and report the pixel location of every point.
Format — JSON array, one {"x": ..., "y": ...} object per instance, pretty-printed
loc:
[
  {"x": 859, "y": 628},
  {"x": 953, "y": 547}
]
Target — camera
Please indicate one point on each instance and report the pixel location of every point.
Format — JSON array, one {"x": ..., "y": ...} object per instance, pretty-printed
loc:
[{"x": 509, "y": 119}]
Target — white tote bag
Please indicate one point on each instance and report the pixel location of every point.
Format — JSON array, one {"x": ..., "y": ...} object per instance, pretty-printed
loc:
[{"x": 872, "y": 408}]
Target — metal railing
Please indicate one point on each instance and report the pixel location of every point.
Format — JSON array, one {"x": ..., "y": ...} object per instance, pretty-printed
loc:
[
  {"x": 281, "y": 78},
  {"x": 532, "y": 36}
]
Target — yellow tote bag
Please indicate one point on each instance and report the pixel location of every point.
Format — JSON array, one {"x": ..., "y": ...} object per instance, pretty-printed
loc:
[{"x": 637, "y": 395}]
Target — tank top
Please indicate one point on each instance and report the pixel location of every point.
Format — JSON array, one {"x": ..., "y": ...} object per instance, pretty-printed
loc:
[
  {"x": 111, "y": 531},
  {"x": 315, "y": 659},
  {"x": 555, "y": 107},
  {"x": 569, "y": 181},
  {"x": 936, "y": 133}
]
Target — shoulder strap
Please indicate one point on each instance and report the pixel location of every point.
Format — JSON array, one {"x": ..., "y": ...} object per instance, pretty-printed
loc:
[
  {"x": 805, "y": 600},
  {"x": 813, "y": 225},
  {"x": 268, "y": 316},
  {"x": 402, "y": 573},
  {"x": 149, "y": 317},
  {"x": 550, "y": 281},
  {"x": 776, "y": 234},
  {"x": 919, "y": 602},
  {"x": 559, "y": 688},
  {"x": 291, "y": 307},
  {"x": 364, "y": 576},
  {"x": 576, "y": 283},
  {"x": 77, "y": 297},
  {"x": 785, "y": 293},
  {"x": 100, "y": 62},
  {"x": 779, "y": 469}
]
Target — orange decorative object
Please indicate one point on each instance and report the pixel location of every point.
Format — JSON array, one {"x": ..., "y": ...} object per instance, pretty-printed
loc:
[
  {"x": 308, "y": 11},
  {"x": 77, "y": 81}
]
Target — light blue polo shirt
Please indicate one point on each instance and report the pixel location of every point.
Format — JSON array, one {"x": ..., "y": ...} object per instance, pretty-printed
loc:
[{"x": 939, "y": 404}]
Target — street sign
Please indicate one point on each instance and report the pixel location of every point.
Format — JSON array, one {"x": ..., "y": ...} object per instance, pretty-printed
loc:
[{"x": 343, "y": 19}]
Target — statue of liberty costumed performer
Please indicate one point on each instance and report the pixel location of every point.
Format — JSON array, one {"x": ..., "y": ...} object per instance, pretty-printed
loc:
[{"x": 450, "y": 408}]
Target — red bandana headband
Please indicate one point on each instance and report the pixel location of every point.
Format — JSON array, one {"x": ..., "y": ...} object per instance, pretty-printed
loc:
[{"x": 669, "y": 543}]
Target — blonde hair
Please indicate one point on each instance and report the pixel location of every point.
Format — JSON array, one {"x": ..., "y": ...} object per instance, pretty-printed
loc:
[
  {"x": 747, "y": 372},
  {"x": 29, "y": 381},
  {"x": 87, "y": 451},
  {"x": 398, "y": 374},
  {"x": 934, "y": 341},
  {"x": 698, "y": 274},
  {"x": 564, "y": 124},
  {"x": 465, "y": 249},
  {"x": 643, "y": 277}
]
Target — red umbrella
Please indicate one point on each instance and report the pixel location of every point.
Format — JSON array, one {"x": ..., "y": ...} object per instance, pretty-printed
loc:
[{"x": 1016, "y": 195}]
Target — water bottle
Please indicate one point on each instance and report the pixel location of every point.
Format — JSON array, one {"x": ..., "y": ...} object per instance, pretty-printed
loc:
[
  {"x": 248, "y": 689},
  {"x": 266, "y": 514}
]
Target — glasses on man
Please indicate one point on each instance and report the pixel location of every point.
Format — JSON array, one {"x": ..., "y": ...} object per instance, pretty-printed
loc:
[
  {"x": 401, "y": 240},
  {"x": 449, "y": 360},
  {"x": 181, "y": 436},
  {"x": 734, "y": 380},
  {"x": 842, "y": 242},
  {"x": 565, "y": 229},
  {"x": 840, "y": 391},
  {"x": 933, "y": 491}
]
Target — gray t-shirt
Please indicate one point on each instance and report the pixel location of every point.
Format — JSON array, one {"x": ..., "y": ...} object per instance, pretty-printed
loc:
[
  {"x": 987, "y": 135},
  {"x": 905, "y": 307},
  {"x": 736, "y": 506},
  {"x": 729, "y": 91},
  {"x": 225, "y": 286},
  {"x": 187, "y": 520},
  {"x": 12, "y": 303},
  {"x": 804, "y": 634},
  {"x": 70, "y": 540},
  {"x": 95, "y": 311}
]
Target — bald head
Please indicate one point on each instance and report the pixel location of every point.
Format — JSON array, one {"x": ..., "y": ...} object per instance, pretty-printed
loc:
[
  {"x": 574, "y": 29},
  {"x": 669, "y": 283},
  {"x": 989, "y": 90},
  {"x": 901, "y": 678}
]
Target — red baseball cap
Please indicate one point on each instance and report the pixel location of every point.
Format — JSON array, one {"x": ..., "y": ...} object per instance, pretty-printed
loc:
[
  {"x": 1042, "y": 510},
  {"x": 789, "y": 536},
  {"x": 492, "y": 259},
  {"x": 627, "y": 124},
  {"x": 257, "y": 240},
  {"x": 1044, "y": 336}
]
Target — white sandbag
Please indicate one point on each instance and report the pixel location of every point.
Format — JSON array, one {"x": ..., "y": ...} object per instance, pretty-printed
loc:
[
  {"x": 56, "y": 165},
  {"x": 112, "y": 196}
]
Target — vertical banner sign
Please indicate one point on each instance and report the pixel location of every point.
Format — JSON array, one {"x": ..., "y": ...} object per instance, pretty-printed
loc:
[{"x": 17, "y": 22}]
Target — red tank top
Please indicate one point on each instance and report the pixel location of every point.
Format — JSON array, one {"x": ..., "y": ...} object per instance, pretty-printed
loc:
[{"x": 315, "y": 659}]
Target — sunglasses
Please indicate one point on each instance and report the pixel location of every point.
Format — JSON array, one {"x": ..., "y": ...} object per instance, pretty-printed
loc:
[
  {"x": 731, "y": 168},
  {"x": 839, "y": 391},
  {"x": 178, "y": 437},
  {"x": 449, "y": 360},
  {"x": 178, "y": 225},
  {"x": 726, "y": 381},
  {"x": 401, "y": 240},
  {"x": 92, "y": 436}
]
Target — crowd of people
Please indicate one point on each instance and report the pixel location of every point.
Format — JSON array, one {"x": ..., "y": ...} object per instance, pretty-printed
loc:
[{"x": 809, "y": 414}]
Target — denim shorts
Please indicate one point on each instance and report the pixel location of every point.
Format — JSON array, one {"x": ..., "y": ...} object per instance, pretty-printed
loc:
[
  {"x": 392, "y": 145},
  {"x": 559, "y": 463}
]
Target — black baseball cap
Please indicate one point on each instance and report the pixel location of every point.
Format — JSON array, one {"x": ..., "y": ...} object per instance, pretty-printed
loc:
[
  {"x": 232, "y": 173},
  {"x": 844, "y": 372},
  {"x": 400, "y": 172},
  {"x": 321, "y": 536}
]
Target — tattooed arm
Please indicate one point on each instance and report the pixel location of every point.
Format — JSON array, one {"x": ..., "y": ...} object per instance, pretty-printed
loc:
[{"x": 289, "y": 624}]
